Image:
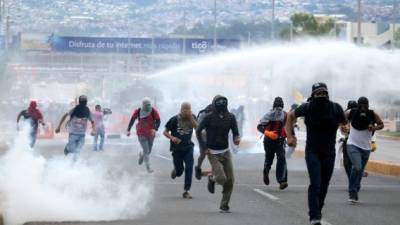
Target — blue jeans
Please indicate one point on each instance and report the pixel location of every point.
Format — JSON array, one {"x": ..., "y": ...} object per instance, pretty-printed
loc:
[
  {"x": 359, "y": 159},
  {"x": 271, "y": 148},
  {"x": 99, "y": 133},
  {"x": 75, "y": 144},
  {"x": 183, "y": 161},
  {"x": 147, "y": 145},
  {"x": 320, "y": 165}
]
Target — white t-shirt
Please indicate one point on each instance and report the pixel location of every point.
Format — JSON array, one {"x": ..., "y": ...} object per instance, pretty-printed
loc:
[{"x": 360, "y": 138}]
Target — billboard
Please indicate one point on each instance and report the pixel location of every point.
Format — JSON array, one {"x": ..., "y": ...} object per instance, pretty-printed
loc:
[{"x": 138, "y": 45}]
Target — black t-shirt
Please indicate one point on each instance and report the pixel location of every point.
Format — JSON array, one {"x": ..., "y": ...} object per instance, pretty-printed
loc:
[
  {"x": 178, "y": 130},
  {"x": 321, "y": 135}
]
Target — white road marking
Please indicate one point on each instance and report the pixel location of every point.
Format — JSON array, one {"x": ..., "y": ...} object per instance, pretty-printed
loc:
[
  {"x": 265, "y": 194},
  {"x": 163, "y": 157}
]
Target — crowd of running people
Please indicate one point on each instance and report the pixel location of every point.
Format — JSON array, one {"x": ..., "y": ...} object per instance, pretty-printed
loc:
[{"x": 217, "y": 129}]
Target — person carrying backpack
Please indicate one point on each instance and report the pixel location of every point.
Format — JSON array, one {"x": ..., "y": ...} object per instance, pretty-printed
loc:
[
  {"x": 363, "y": 123},
  {"x": 146, "y": 128},
  {"x": 272, "y": 125}
]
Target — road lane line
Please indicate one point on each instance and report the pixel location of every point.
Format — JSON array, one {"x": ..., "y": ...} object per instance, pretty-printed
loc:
[
  {"x": 163, "y": 157},
  {"x": 265, "y": 194}
]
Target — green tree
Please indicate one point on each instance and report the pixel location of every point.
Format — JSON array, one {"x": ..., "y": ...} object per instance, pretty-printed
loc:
[{"x": 304, "y": 24}]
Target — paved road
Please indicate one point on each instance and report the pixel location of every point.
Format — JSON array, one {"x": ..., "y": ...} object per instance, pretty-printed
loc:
[{"x": 252, "y": 202}]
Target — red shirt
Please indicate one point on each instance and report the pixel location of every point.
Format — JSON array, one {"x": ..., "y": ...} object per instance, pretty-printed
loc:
[{"x": 145, "y": 125}]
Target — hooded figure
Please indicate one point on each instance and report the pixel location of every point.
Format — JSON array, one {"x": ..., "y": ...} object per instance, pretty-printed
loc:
[
  {"x": 146, "y": 128},
  {"x": 34, "y": 116},
  {"x": 218, "y": 124},
  {"x": 146, "y": 108}
]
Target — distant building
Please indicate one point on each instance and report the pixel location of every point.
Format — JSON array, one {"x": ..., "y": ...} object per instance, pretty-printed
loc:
[{"x": 373, "y": 34}]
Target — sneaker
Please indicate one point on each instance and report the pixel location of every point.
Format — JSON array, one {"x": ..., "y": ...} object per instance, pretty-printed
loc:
[
  {"x": 266, "y": 178},
  {"x": 186, "y": 195},
  {"x": 197, "y": 172},
  {"x": 315, "y": 222},
  {"x": 353, "y": 198},
  {"x": 224, "y": 209},
  {"x": 149, "y": 170},
  {"x": 283, "y": 185},
  {"x": 140, "y": 158},
  {"x": 211, "y": 184},
  {"x": 173, "y": 174}
]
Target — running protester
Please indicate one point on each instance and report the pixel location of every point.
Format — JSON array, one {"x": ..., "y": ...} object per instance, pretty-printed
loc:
[
  {"x": 179, "y": 130},
  {"x": 272, "y": 125},
  {"x": 77, "y": 125},
  {"x": 363, "y": 123},
  {"x": 322, "y": 119},
  {"x": 33, "y": 116},
  {"x": 290, "y": 149},
  {"x": 217, "y": 125},
  {"x": 343, "y": 141},
  {"x": 146, "y": 128},
  {"x": 98, "y": 118},
  {"x": 202, "y": 141}
]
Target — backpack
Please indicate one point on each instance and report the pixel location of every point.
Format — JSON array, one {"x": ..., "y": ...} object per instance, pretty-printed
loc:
[
  {"x": 202, "y": 114},
  {"x": 277, "y": 127},
  {"x": 361, "y": 120}
]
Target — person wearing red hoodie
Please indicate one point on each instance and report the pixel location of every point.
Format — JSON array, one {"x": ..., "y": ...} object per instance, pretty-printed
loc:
[
  {"x": 146, "y": 128},
  {"x": 34, "y": 117}
]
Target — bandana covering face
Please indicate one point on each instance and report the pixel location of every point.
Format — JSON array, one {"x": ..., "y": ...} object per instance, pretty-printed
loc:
[
  {"x": 146, "y": 108},
  {"x": 34, "y": 112}
]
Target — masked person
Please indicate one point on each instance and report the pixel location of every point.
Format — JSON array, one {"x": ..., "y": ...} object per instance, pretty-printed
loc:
[
  {"x": 33, "y": 116},
  {"x": 98, "y": 118},
  {"x": 77, "y": 125},
  {"x": 272, "y": 125},
  {"x": 179, "y": 130},
  {"x": 322, "y": 119},
  {"x": 363, "y": 123},
  {"x": 146, "y": 128},
  {"x": 217, "y": 125}
]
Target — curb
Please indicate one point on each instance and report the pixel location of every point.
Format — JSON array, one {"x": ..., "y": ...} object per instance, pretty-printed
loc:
[{"x": 375, "y": 166}]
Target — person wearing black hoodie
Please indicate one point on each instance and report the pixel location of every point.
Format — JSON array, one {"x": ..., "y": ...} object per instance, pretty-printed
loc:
[
  {"x": 77, "y": 125},
  {"x": 322, "y": 119},
  {"x": 217, "y": 125}
]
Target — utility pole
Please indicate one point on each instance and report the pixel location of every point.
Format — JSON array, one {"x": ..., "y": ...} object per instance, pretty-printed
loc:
[
  {"x": 394, "y": 13},
  {"x": 273, "y": 21},
  {"x": 215, "y": 26},
  {"x": 359, "y": 15}
]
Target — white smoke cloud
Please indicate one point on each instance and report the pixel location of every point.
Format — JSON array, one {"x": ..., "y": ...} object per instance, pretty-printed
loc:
[{"x": 37, "y": 189}]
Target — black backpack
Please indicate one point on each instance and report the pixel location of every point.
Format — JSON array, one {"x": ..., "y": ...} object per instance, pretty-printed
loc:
[{"x": 360, "y": 120}]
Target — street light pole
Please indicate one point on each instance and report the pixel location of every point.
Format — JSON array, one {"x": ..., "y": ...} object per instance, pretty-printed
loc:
[
  {"x": 273, "y": 21},
  {"x": 215, "y": 25},
  {"x": 359, "y": 15}
]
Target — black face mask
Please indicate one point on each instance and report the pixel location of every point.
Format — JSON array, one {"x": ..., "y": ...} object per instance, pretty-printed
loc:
[
  {"x": 221, "y": 105},
  {"x": 321, "y": 101}
]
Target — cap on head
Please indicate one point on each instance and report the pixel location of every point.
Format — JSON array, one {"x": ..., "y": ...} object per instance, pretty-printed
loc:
[
  {"x": 319, "y": 87},
  {"x": 351, "y": 104},
  {"x": 363, "y": 101},
  {"x": 82, "y": 100},
  {"x": 278, "y": 102}
]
